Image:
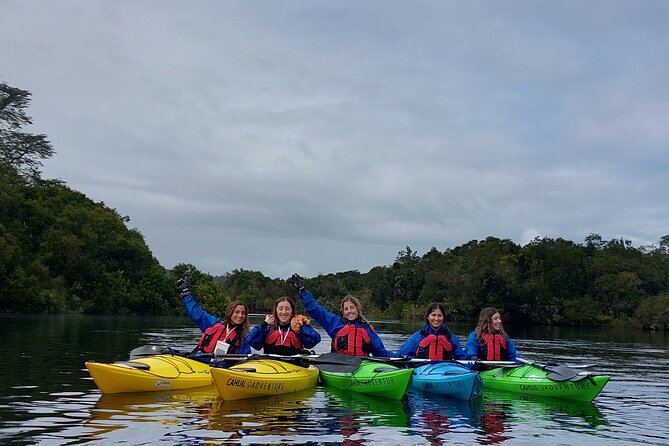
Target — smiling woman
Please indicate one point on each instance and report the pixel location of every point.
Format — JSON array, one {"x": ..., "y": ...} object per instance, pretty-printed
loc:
[
  {"x": 435, "y": 340},
  {"x": 489, "y": 341},
  {"x": 351, "y": 334},
  {"x": 219, "y": 336},
  {"x": 284, "y": 332}
]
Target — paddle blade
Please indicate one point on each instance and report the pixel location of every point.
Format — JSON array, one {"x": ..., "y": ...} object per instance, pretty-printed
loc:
[
  {"x": 337, "y": 362},
  {"x": 562, "y": 373},
  {"x": 146, "y": 350}
]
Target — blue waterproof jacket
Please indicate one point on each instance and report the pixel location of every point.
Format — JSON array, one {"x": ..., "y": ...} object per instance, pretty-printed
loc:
[
  {"x": 411, "y": 345},
  {"x": 332, "y": 323},
  {"x": 205, "y": 320},
  {"x": 472, "y": 348},
  {"x": 257, "y": 336}
]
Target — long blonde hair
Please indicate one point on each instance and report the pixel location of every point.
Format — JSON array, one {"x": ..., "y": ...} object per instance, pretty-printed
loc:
[
  {"x": 358, "y": 305},
  {"x": 485, "y": 323}
]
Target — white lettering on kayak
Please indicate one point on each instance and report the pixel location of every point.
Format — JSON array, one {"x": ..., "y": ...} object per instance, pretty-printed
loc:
[{"x": 161, "y": 383}]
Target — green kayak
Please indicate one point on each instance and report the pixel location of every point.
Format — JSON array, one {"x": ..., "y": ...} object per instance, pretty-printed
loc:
[
  {"x": 548, "y": 381},
  {"x": 371, "y": 378}
]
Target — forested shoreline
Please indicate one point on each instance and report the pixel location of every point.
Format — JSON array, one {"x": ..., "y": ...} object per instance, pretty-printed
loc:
[{"x": 62, "y": 252}]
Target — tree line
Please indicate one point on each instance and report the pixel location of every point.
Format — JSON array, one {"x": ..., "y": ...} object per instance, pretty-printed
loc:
[{"x": 62, "y": 252}]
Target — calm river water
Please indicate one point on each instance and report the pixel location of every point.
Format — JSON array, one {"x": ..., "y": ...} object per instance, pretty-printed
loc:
[{"x": 48, "y": 398}]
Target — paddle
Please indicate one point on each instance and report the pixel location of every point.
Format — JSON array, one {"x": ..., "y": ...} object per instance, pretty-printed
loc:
[
  {"x": 466, "y": 362},
  {"x": 557, "y": 372},
  {"x": 150, "y": 350},
  {"x": 337, "y": 362},
  {"x": 332, "y": 362}
]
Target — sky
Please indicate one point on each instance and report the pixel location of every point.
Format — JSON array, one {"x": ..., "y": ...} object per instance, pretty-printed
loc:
[{"x": 326, "y": 136}]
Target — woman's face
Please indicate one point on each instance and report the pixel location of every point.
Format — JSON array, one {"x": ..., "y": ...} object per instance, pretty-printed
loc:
[
  {"x": 436, "y": 318},
  {"x": 350, "y": 311},
  {"x": 496, "y": 322},
  {"x": 238, "y": 315},
  {"x": 284, "y": 311}
]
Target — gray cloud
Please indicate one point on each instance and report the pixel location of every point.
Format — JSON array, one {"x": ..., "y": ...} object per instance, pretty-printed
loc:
[{"x": 323, "y": 137}]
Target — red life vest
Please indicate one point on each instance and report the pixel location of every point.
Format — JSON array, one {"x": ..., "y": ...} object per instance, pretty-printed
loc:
[
  {"x": 352, "y": 340},
  {"x": 219, "y": 332},
  {"x": 283, "y": 343},
  {"x": 435, "y": 346},
  {"x": 493, "y": 347}
]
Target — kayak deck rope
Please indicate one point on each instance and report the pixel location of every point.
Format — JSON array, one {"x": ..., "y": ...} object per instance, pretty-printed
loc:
[
  {"x": 377, "y": 372},
  {"x": 173, "y": 361}
]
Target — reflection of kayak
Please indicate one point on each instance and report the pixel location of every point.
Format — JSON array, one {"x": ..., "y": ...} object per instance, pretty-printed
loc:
[
  {"x": 366, "y": 409},
  {"x": 371, "y": 378},
  {"x": 290, "y": 408},
  {"x": 533, "y": 380},
  {"x": 447, "y": 379},
  {"x": 152, "y": 373},
  {"x": 120, "y": 411},
  {"x": 135, "y": 404},
  {"x": 263, "y": 377},
  {"x": 532, "y": 408},
  {"x": 442, "y": 413}
]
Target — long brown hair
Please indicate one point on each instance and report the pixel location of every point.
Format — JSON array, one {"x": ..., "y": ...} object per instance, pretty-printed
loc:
[
  {"x": 358, "y": 305},
  {"x": 290, "y": 301},
  {"x": 244, "y": 326},
  {"x": 485, "y": 323}
]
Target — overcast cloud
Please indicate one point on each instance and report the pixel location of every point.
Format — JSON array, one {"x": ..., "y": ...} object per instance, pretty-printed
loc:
[{"x": 317, "y": 137}]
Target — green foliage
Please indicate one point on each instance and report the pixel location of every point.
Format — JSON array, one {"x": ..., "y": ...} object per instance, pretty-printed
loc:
[
  {"x": 24, "y": 151},
  {"x": 653, "y": 312},
  {"x": 63, "y": 252}
]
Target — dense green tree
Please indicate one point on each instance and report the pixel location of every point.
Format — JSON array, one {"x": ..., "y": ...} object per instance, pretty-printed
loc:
[
  {"x": 63, "y": 252},
  {"x": 653, "y": 312},
  {"x": 25, "y": 151}
]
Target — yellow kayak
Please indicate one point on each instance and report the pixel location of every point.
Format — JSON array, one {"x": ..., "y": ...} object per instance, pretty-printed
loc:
[
  {"x": 262, "y": 377},
  {"x": 152, "y": 373}
]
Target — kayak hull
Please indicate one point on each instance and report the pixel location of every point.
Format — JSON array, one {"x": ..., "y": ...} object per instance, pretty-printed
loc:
[
  {"x": 448, "y": 379},
  {"x": 531, "y": 380},
  {"x": 149, "y": 374},
  {"x": 371, "y": 378},
  {"x": 262, "y": 377}
]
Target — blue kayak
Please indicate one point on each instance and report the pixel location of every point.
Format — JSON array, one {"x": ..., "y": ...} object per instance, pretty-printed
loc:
[{"x": 448, "y": 379}]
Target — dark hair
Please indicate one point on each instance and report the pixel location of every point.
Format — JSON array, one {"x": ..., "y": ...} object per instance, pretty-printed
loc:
[
  {"x": 485, "y": 323},
  {"x": 244, "y": 326},
  {"x": 358, "y": 305},
  {"x": 276, "y": 304},
  {"x": 434, "y": 306}
]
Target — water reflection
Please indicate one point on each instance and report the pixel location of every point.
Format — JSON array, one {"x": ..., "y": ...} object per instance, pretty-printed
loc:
[
  {"x": 501, "y": 413},
  {"x": 117, "y": 412},
  {"x": 434, "y": 417},
  {"x": 279, "y": 416}
]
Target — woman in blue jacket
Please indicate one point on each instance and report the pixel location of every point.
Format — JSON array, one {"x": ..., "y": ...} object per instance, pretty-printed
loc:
[
  {"x": 226, "y": 336},
  {"x": 489, "y": 341},
  {"x": 351, "y": 334},
  {"x": 284, "y": 332},
  {"x": 435, "y": 340}
]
